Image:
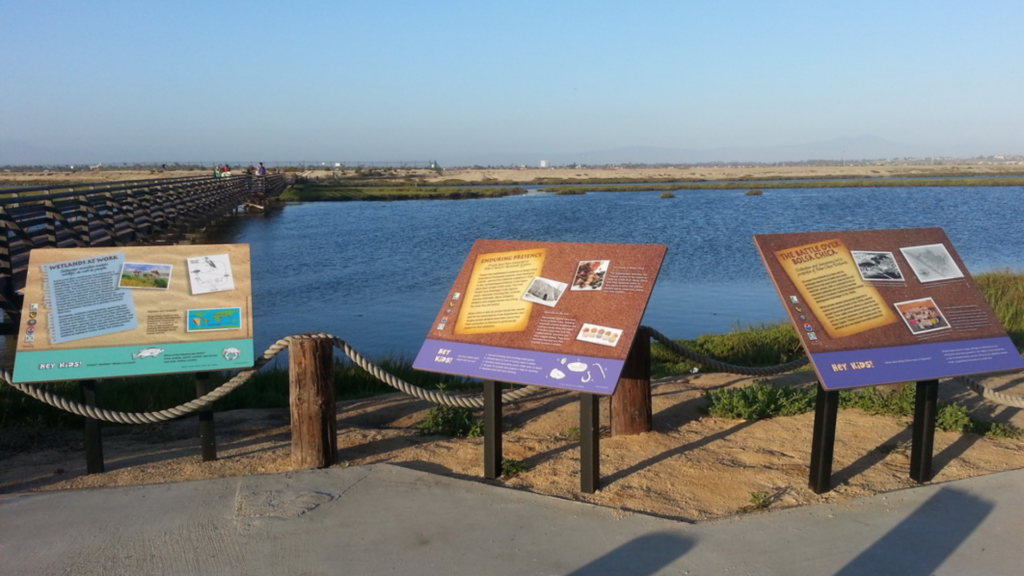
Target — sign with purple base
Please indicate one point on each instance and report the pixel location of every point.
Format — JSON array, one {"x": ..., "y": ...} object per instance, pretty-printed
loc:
[
  {"x": 583, "y": 373},
  {"x": 885, "y": 306},
  {"x": 560, "y": 315}
]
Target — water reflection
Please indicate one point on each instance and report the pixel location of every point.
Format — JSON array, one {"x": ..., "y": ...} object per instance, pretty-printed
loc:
[{"x": 375, "y": 273}]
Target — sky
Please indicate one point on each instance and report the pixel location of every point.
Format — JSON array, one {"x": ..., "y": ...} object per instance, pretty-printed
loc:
[{"x": 485, "y": 82}]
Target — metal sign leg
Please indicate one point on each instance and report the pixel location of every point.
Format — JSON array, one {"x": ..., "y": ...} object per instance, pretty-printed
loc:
[
  {"x": 923, "y": 437},
  {"x": 492, "y": 429},
  {"x": 590, "y": 443},
  {"x": 826, "y": 410}
]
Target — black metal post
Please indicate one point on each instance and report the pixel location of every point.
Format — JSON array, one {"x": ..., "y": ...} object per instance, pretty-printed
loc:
[
  {"x": 590, "y": 443},
  {"x": 207, "y": 439},
  {"x": 93, "y": 436},
  {"x": 492, "y": 429},
  {"x": 923, "y": 438},
  {"x": 826, "y": 410}
]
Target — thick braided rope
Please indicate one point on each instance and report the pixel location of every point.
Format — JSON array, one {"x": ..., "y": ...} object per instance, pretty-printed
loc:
[
  {"x": 990, "y": 394},
  {"x": 967, "y": 381},
  {"x": 204, "y": 402},
  {"x": 718, "y": 364},
  {"x": 461, "y": 401}
]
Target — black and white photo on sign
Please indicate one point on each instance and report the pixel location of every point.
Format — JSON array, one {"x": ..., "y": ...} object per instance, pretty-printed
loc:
[
  {"x": 210, "y": 274},
  {"x": 590, "y": 275},
  {"x": 880, "y": 266},
  {"x": 922, "y": 315},
  {"x": 931, "y": 262},
  {"x": 544, "y": 291}
]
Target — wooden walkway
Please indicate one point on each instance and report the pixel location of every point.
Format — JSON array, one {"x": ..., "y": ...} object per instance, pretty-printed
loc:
[{"x": 112, "y": 214}]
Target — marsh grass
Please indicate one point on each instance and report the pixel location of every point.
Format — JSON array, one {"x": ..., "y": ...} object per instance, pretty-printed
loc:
[{"x": 337, "y": 192}]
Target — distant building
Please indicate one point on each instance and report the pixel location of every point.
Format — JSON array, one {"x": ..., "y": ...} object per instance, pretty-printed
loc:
[{"x": 543, "y": 163}]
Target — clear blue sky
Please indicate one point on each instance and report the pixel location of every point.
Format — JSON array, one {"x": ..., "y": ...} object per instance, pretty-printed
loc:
[{"x": 106, "y": 81}]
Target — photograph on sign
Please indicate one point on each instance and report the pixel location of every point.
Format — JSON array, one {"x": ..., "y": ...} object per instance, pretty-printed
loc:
[
  {"x": 128, "y": 311},
  {"x": 552, "y": 314},
  {"x": 884, "y": 306},
  {"x": 145, "y": 276}
]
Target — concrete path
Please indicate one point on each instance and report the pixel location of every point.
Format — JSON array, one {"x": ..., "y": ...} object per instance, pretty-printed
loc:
[{"x": 390, "y": 520}]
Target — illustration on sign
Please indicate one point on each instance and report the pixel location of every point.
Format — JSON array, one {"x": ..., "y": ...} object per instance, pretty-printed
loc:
[
  {"x": 885, "y": 306},
  {"x": 561, "y": 315},
  {"x": 106, "y": 312}
]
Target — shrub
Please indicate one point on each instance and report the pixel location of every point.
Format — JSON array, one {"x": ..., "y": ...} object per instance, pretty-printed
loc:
[{"x": 759, "y": 401}]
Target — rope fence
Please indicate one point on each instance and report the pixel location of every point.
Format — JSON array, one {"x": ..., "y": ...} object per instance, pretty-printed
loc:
[{"x": 454, "y": 400}]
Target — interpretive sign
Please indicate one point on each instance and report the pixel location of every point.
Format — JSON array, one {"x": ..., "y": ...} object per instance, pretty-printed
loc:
[
  {"x": 561, "y": 315},
  {"x": 126, "y": 311},
  {"x": 885, "y": 306}
]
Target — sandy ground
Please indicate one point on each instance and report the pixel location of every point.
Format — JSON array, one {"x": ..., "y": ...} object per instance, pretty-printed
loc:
[
  {"x": 526, "y": 175},
  {"x": 691, "y": 467}
]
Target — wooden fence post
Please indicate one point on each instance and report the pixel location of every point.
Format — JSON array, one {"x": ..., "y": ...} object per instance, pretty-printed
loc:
[
  {"x": 314, "y": 415},
  {"x": 631, "y": 411}
]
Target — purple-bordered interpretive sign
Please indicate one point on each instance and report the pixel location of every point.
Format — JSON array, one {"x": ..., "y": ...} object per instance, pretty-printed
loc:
[
  {"x": 561, "y": 315},
  {"x": 885, "y": 306}
]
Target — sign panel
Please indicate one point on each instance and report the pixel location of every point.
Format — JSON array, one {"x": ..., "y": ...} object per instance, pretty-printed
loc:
[
  {"x": 885, "y": 306},
  {"x": 127, "y": 311},
  {"x": 561, "y": 315}
]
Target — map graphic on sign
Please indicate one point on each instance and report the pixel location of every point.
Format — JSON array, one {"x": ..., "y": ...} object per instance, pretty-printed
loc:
[{"x": 561, "y": 315}]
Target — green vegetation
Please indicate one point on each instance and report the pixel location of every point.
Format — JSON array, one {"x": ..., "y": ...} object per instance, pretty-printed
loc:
[
  {"x": 761, "y": 400},
  {"x": 511, "y": 468},
  {"x": 758, "y": 500},
  {"x": 765, "y": 345},
  {"x": 1004, "y": 292},
  {"x": 333, "y": 191},
  {"x": 741, "y": 184},
  {"x": 453, "y": 421},
  {"x": 758, "y": 401}
]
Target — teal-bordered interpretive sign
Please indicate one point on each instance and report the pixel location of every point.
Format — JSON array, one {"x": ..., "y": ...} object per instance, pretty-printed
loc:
[{"x": 129, "y": 311}]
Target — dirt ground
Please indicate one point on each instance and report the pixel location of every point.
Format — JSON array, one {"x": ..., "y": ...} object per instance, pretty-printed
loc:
[
  {"x": 526, "y": 175},
  {"x": 691, "y": 467}
]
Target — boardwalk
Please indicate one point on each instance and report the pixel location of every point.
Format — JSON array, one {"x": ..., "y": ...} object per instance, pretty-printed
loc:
[{"x": 112, "y": 214}]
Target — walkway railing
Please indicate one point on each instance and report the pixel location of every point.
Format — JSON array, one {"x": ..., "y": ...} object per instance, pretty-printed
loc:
[{"x": 111, "y": 214}]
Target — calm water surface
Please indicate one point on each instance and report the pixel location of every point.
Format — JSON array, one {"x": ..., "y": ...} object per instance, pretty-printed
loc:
[{"x": 376, "y": 273}]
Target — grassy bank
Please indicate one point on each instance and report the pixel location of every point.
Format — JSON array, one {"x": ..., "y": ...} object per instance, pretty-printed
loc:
[
  {"x": 331, "y": 191},
  {"x": 766, "y": 185}
]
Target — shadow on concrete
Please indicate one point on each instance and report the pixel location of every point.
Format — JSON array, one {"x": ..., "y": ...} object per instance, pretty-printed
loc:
[
  {"x": 919, "y": 544},
  {"x": 641, "y": 556}
]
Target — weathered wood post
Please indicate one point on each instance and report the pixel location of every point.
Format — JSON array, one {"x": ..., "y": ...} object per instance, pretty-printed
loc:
[
  {"x": 314, "y": 415},
  {"x": 631, "y": 411}
]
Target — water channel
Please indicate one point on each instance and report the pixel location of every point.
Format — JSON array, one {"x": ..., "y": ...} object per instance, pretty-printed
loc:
[{"x": 376, "y": 273}]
